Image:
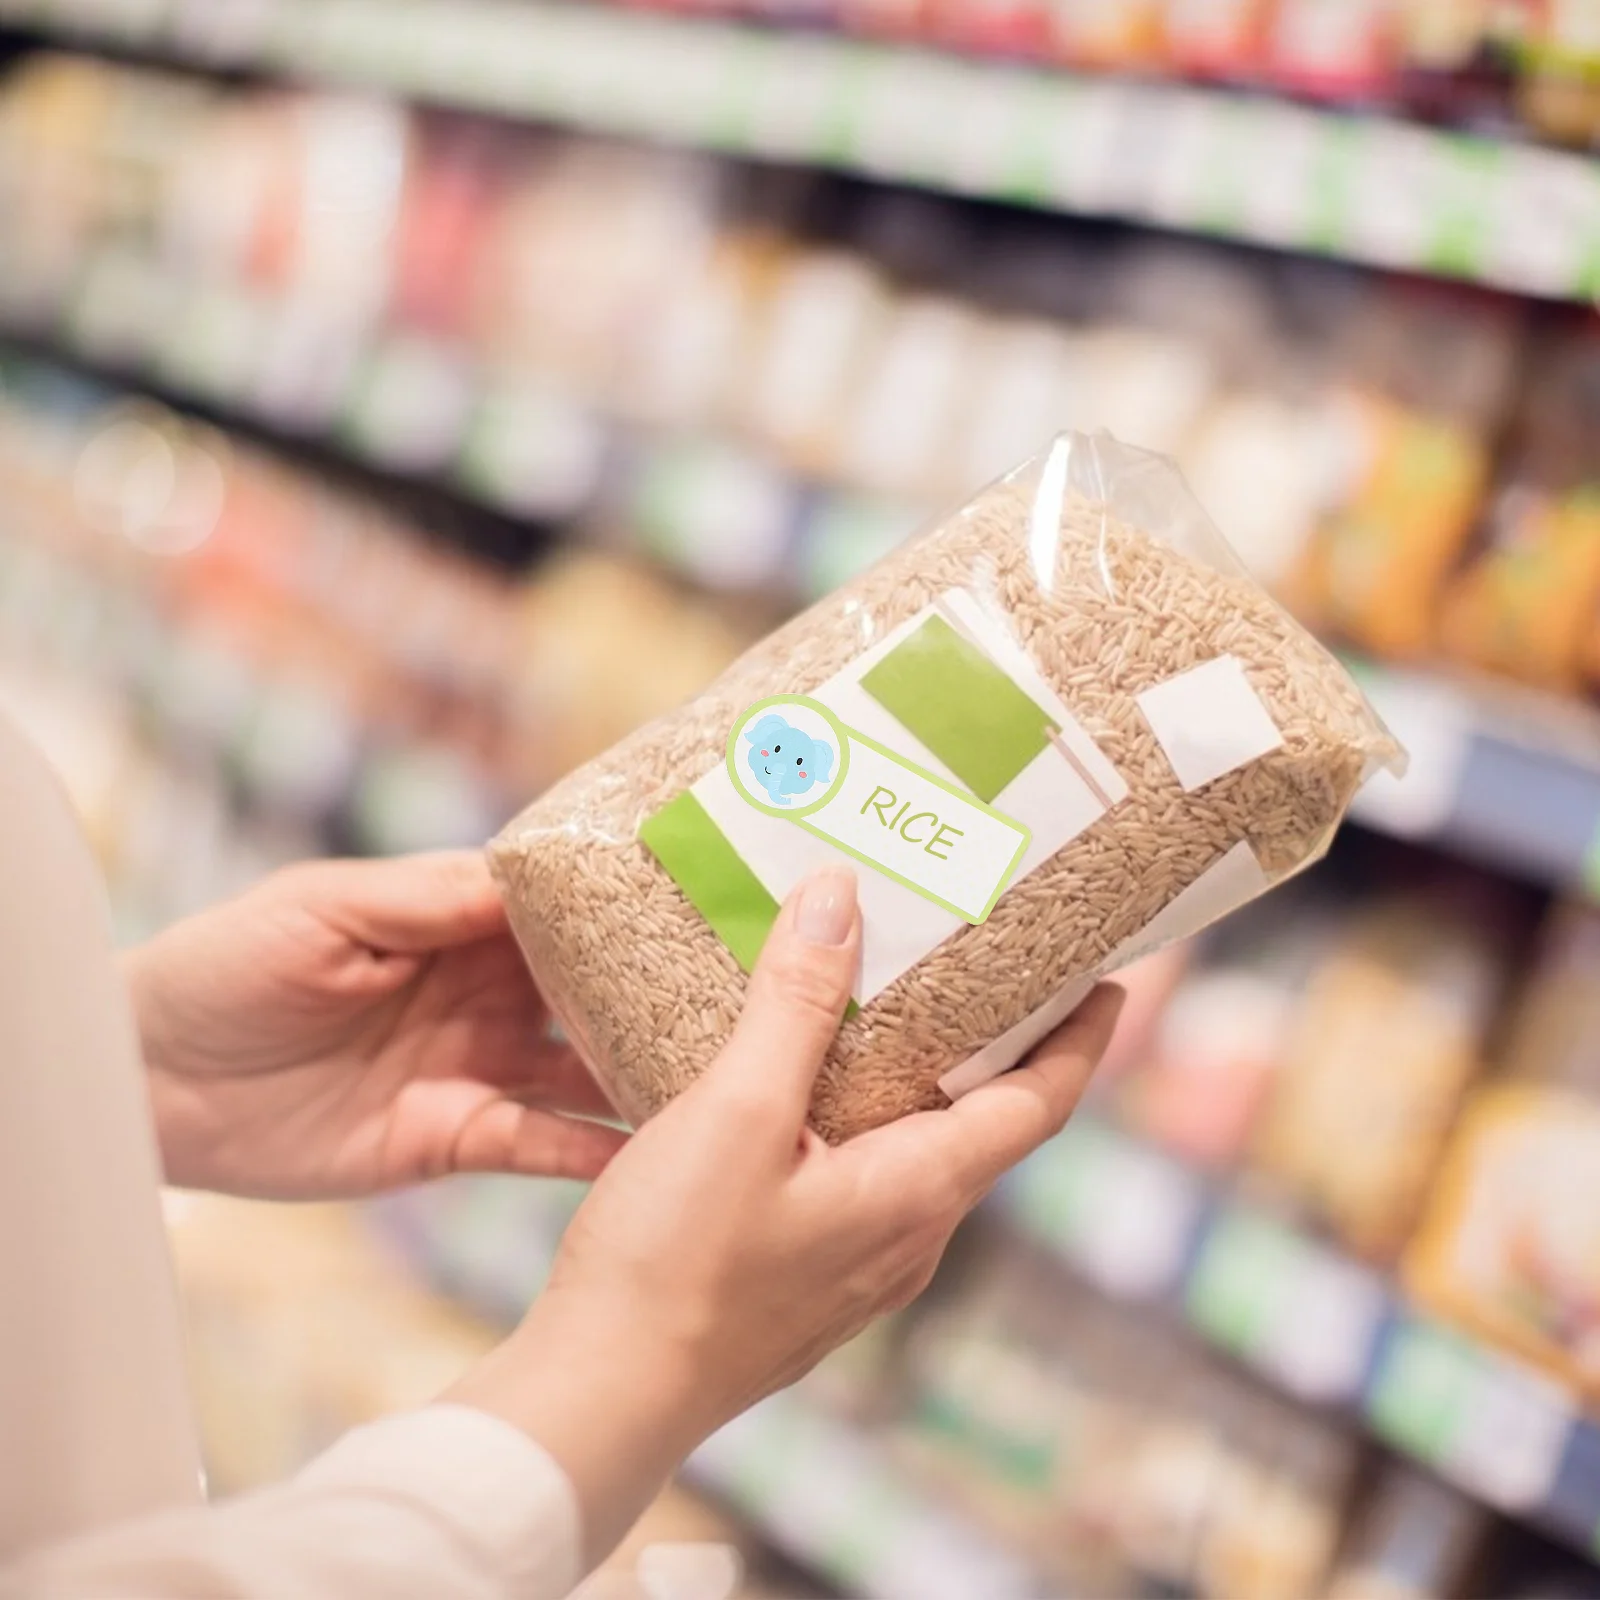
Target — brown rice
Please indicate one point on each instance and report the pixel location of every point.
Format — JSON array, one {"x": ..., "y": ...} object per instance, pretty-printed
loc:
[{"x": 649, "y": 993}]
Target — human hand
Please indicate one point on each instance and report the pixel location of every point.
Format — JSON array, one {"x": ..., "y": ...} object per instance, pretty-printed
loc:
[
  {"x": 728, "y": 1248},
  {"x": 350, "y": 1026}
]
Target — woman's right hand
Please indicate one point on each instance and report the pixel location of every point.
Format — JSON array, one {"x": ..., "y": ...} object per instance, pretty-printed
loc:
[{"x": 726, "y": 1249}]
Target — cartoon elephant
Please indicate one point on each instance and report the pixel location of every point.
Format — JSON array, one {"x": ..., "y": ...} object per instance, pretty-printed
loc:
[{"x": 784, "y": 760}]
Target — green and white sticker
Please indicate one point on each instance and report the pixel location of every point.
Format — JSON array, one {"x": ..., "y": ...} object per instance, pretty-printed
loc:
[
  {"x": 791, "y": 757},
  {"x": 989, "y": 773}
]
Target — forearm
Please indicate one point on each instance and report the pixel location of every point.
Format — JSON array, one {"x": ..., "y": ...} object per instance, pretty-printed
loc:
[
  {"x": 614, "y": 1403},
  {"x": 444, "y": 1502}
]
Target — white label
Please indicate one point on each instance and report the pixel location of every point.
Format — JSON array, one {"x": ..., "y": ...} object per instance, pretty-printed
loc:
[
  {"x": 1209, "y": 721},
  {"x": 790, "y": 756},
  {"x": 1323, "y": 1331},
  {"x": 1136, "y": 1245},
  {"x": 1012, "y": 1045},
  {"x": 1224, "y": 887},
  {"x": 1069, "y": 786},
  {"x": 1508, "y": 1445}
]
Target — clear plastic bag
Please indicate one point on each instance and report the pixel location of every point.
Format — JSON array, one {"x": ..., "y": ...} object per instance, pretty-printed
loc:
[{"x": 1074, "y": 663}]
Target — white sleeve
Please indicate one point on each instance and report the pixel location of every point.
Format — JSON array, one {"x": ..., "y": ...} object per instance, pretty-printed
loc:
[{"x": 448, "y": 1501}]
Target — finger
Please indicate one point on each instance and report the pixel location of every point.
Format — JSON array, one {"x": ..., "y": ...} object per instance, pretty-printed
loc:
[
  {"x": 995, "y": 1126},
  {"x": 407, "y": 904},
  {"x": 956, "y": 1156},
  {"x": 503, "y": 1136},
  {"x": 552, "y": 1076},
  {"x": 798, "y": 993}
]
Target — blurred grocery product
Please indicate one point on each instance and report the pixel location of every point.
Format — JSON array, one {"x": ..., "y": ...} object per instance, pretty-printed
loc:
[
  {"x": 1529, "y": 603},
  {"x": 1391, "y": 1031},
  {"x": 1114, "y": 1451},
  {"x": 1554, "y": 1034},
  {"x": 1510, "y": 1245},
  {"x": 1428, "y": 382},
  {"x": 1225, "y": 1035}
]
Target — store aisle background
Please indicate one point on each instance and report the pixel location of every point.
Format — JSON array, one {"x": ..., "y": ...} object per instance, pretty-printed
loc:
[{"x": 400, "y": 403}]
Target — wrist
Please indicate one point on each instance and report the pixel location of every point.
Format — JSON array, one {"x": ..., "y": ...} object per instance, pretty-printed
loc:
[{"x": 617, "y": 1407}]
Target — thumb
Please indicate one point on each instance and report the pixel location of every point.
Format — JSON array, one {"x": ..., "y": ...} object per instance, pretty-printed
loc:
[{"x": 798, "y": 993}]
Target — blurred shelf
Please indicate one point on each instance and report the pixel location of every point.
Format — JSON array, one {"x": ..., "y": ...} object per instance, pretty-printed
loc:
[
  {"x": 1321, "y": 1328},
  {"x": 1503, "y": 774},
  {"x": 1367, "y": 189},
  {"x": 1499, "y": 773},
  {"x": 827, "y": 1494}
]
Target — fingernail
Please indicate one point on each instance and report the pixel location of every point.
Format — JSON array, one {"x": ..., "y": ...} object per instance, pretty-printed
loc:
[{"x": 827, "y": 909}]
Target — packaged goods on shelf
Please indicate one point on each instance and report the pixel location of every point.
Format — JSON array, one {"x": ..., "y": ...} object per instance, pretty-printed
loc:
[
  {"x": 1554, "y": 1036},
  {"x": 1528, "y": 603},
  {"x": 1235, "y": 745},
  {"x": 1215, "y": 38},
  {"x": 1332, "y": 49},
  {"x": 1106, "y": 35},
  {"x": 1390, "y": 1033},
  {"x": 1114, "y": 1452},
  {"x": 1413, "y": 1539},
  {"x": 1215, "y": 1053},
  {"x": 334, "y": 664},
  {"x": 1510, "y": 1244},
  {"x": 1558, "y": 82},
  {"x": 1427, "y": 386}
]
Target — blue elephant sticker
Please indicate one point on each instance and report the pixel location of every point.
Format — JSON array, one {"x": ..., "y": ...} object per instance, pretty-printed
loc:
[{"x": 785, "y": 761}]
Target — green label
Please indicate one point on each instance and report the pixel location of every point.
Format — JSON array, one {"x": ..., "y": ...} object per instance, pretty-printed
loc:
[{"x": 961, "y": 705}]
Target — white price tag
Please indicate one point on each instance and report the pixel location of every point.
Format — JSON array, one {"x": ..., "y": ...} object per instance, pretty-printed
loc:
[
  {"x": 1549, "y": 221},
  {"x": 793, "y": 90},
  {"x": 1132, "y": 1243},
  {"x": 1507, "y": 1446},
  {"x": 125, "y": 300},
  {"x": 904, "y": 127},
  {"x": 1188, "y": 143},
  {"x": 1400, "y": 193},
  {"x": 1434, "y": 722},
  {"x": 215, "y": 346},
  {"x": 536, "y": 451},
  {"x": 693, "y": 75},
  {"x": 226, "y": 32},
  {"x": 823, "y": 1485},
  {"x": 731, "y": 518},
  {"x": 1084, "y": 140},
  {"x": 580, "y": 69},
  {"x": 934, "y": 1558},
  {"x": 308, "y": 355},
  {"x": 1321, "y": 1334},
  {"x": 414, "y": 403},
  {"x": 1286, "y": 146},
  {"x": 989, "y": 121}
]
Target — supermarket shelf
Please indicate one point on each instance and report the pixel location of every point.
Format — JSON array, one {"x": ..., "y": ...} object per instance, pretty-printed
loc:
[
  {"x": 1321, "y": 1328},
  {"x": 1371, "y": 190},
  {"x": 819, "y": 1489},
  {"x": 829, "y": 1496},
  {"x": 1498, "y": 773},
  {"x": 1501, "y": 774}
]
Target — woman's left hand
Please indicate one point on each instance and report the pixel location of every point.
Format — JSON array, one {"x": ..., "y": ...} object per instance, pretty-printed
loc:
[{"x": 351, "y": 1026}]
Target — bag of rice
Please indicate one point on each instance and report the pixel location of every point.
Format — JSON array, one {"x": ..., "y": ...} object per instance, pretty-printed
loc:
[{"x": 1059, "y": 730}]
